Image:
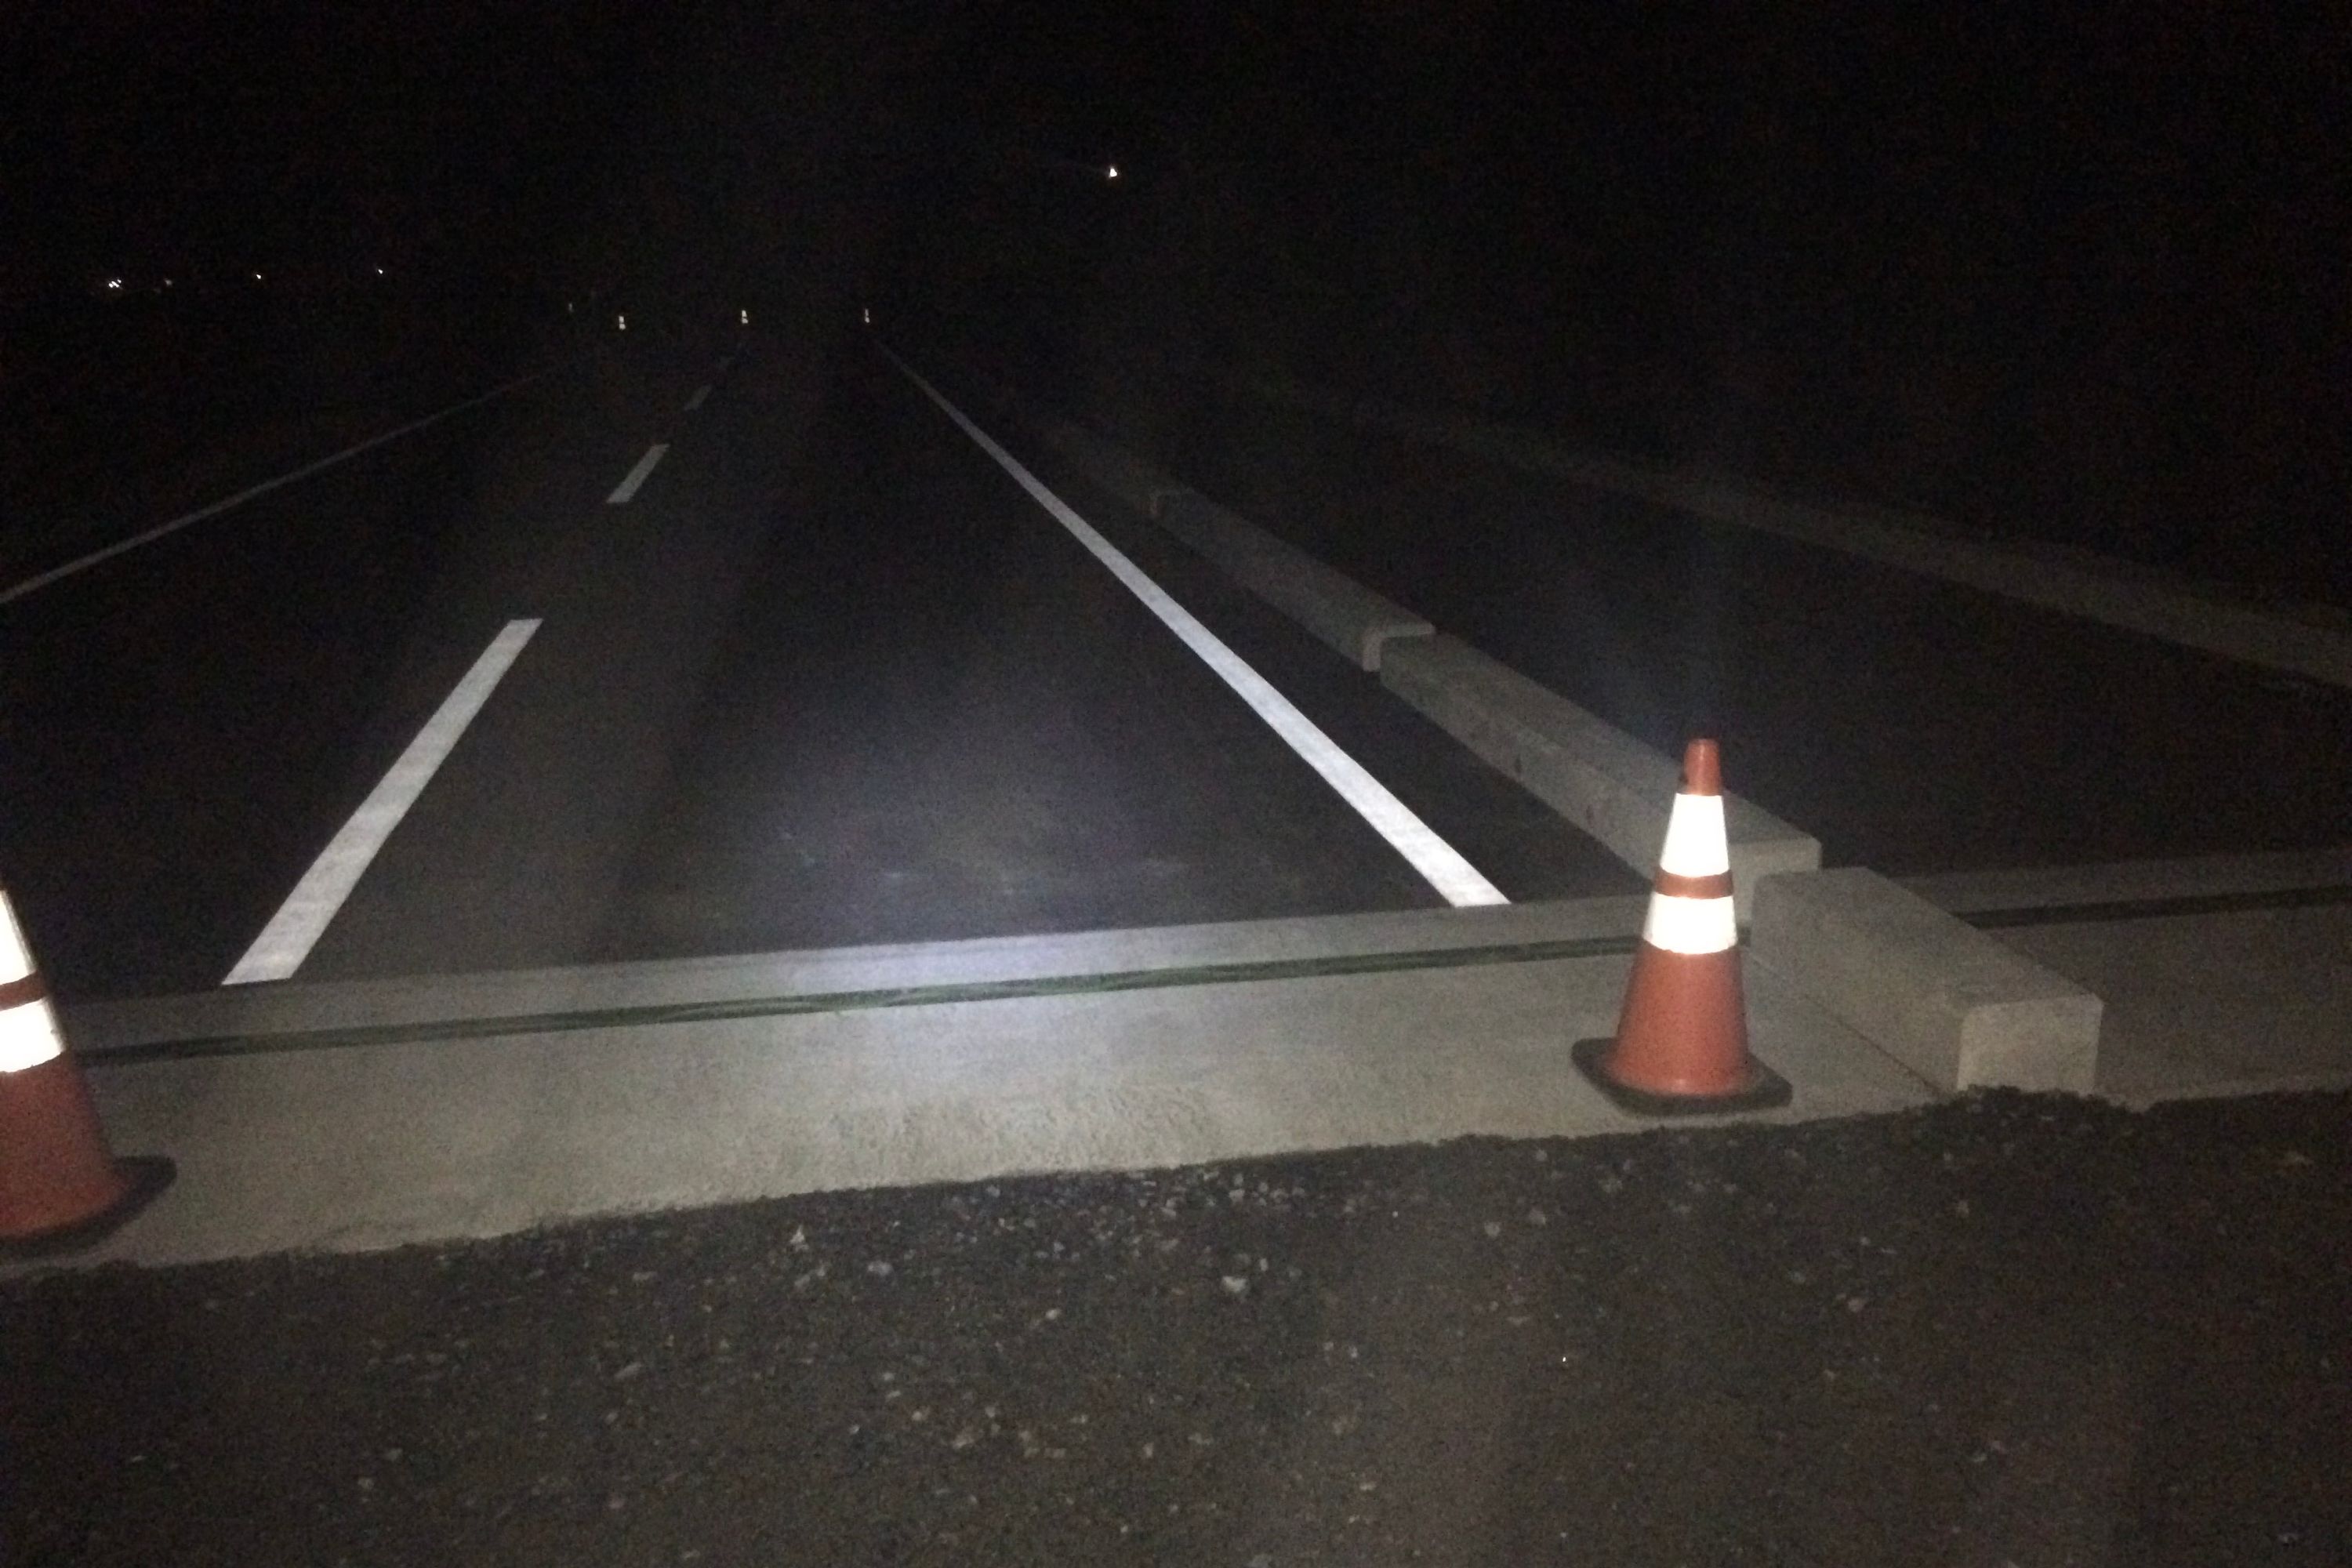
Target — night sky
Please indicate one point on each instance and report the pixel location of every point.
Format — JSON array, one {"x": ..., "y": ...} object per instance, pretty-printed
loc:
[{"x": 1993, "y": 259}]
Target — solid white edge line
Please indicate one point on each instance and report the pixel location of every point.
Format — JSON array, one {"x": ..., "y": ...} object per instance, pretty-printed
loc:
[
  {"x": 1455, "y": 879},
  {"x": 55, "y": 574},
  {"x": 701, "y": 393},
  {"x": 298, "y": 923},
  {"x": 626, "y": 491}
]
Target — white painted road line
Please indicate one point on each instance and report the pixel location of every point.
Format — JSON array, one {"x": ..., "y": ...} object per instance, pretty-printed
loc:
[
  {"x": 34, "y": 584},
  {"x": 1445, "y": 869},
  {"x": 700, "y": 394},
  {"x": 298, "y": 923},
  {"x": 627, "y": 489}
]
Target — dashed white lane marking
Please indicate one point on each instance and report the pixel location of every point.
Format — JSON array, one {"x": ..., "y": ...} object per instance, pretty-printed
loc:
[
  {"x": 624, "y": 492},
  {"x": 1445, "y": 869},
  {"x": 34, "y": 584},
  {"x": 298, "y": 923},
  {"x": 700, "y": 394}
]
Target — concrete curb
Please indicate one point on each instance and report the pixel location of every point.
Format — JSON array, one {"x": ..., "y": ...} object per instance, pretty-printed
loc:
[
  {"x": 369, "y": 1146},
  {"x": 1948, "y": 1002},
  {"x": 1115, "y": 470},
  {"x": 1600, "y": 778},
  {"x": 1335, "y": 608},
  {"x": 1603, "y": 780},
  {"x": 102, "y": 1029}
]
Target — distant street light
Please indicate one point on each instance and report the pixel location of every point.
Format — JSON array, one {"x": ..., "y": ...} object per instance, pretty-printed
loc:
[{"x": 1112, "y": 172}]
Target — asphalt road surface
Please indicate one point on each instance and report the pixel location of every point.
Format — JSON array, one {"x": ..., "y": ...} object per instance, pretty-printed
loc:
[
  {"x": 1913, "y": 725},
  {"x": 822, "y": 675},
  {"x": 2003, "y": 1329}
]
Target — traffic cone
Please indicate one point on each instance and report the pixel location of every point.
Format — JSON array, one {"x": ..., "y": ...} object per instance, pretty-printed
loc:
[
  {"x": 1681, "y": 1046},
  {"x": 59, "y": 1187}
]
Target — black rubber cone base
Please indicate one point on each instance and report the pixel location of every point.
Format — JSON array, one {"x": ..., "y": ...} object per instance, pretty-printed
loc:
[
  {"x": 1764, "y": 1090},
  {"x": 149, "y": 1174}
]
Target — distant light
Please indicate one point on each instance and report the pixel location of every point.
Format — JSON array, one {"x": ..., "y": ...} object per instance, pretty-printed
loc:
[
  {"x": 379, "y": 271},
  {"x": 1112, "y": 172},
  {"x": 167, "y": 282},
  {"x": 868, "y": 314},
  {"x": 621, "y": 323},
  {"x": 744, "y": 317},
  {"x": 568, "y": 306},
  {"x": 114, "y": 285},
  {"x": 256, "y": 278}
]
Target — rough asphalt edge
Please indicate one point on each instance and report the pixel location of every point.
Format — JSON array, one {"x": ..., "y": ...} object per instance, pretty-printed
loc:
[{"x": 2003, "y": 1327}]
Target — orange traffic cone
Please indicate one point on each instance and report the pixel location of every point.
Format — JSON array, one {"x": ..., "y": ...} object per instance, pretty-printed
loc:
[
  {"x": 59, "y": 1188},
  {"x": 1681, "y": 1046}
]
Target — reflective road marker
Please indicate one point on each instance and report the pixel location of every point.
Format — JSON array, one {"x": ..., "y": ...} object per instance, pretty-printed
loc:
[
  {"x": 298, "y": 923},
  {"x": 1455, "y": 879},
  {"x": 627, "y": 489},
  {"x": 700, "y": 394}
]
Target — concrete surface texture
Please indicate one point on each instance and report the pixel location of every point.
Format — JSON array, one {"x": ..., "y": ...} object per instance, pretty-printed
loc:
[
  {"x": 2236, "y": 1002},
  {"x": 1606, "y": 782},
  {"x": 1601, "y": 779},
  {"x": 1951, "y": 1003},
  {"x": 2285, "y": 875},
  {"x": 363, "y": 1146},
  {"x": 2223, "y": 975},
  {"x": 1960, "y": 1008},
  {"x": 1352, "y": 619},
  {"x": 835, "y": 978}
]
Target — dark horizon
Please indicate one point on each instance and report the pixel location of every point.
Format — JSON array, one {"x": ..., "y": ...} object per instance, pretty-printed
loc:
[{"x": 2065, "y": 278}]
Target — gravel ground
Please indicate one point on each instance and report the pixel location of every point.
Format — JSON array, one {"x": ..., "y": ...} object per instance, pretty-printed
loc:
[{"x": 2005, "y": 1329}]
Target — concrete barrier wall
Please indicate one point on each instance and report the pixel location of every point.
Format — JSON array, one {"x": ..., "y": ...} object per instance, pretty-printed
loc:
[
  {"x": 1600, "y": 778},
  {"x": 1943, "y": 998},
  {"x": 1603, "y": 780},
  {"x": 1115, "y": 470},
  {"x": 1336, "y": 608}
]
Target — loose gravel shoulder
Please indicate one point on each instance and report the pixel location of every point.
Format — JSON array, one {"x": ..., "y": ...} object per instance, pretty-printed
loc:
[{"x": 2015, "y": 1329}]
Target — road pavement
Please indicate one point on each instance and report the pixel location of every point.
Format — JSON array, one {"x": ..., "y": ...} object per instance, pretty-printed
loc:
[
  {"x": 1913, "y": 725},
  {"x": 822, "y": 675},
  {"x": 804, "y": 667}
]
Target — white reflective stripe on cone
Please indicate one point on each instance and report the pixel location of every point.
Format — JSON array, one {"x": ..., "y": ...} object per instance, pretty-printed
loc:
[
  {"x": 1696, "y": 842},
  {"x": 29, "y": 1035},
  {"x": 15, "y": 960},
  {"x": 1690, "y": 925}
]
